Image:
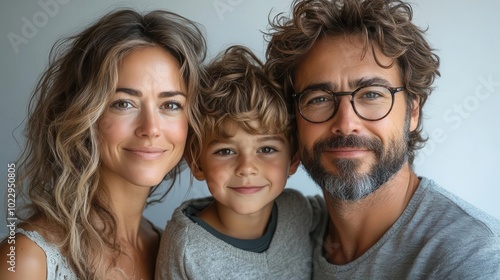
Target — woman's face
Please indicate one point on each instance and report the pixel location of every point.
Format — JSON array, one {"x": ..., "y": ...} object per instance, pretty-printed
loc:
[{"x": 143, "y": 131}]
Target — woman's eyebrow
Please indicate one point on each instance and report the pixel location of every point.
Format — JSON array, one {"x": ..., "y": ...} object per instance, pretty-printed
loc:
[{"x": 138, "y": 93}]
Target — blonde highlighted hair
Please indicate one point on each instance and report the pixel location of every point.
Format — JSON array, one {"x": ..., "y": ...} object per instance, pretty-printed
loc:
[{"x": 59, "y": 165}]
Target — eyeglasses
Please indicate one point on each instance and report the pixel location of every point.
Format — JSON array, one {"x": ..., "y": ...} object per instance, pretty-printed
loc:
[{"x": 371, "y": 103}]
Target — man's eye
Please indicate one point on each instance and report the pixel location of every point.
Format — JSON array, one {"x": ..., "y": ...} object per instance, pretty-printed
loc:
[
  {"x": 371, "y": 95},
  {"x": 317, "y": 98}
]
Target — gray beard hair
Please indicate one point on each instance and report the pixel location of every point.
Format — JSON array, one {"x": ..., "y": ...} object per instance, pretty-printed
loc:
[{"x": 350, "y": 185}]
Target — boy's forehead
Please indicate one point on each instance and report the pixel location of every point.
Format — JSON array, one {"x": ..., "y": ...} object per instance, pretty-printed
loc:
[{"x": 229, "y": 129}]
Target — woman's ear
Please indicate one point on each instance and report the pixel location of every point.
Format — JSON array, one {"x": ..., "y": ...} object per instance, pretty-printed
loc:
[{"x": 294, "y": 164}]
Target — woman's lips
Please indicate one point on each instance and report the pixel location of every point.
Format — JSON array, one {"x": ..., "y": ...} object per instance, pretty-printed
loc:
[{"x": 146, "y": 153}]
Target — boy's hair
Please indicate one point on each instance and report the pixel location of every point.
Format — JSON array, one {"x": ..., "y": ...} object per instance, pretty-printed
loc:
[{"x": 237, "y": 89}]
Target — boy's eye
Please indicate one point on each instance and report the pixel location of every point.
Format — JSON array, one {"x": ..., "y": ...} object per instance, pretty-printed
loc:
[
  {"x": 267, "y": 150},
  {"x": 224, "y": 152}
]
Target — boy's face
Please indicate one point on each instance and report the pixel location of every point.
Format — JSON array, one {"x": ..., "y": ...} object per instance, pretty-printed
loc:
[{"x": 245, "y": 172}]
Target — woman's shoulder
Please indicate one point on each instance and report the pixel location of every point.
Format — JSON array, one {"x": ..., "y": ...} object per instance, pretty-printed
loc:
[
  {"x": 22, "y": 258},
  {"x": 35, "y": 254}
]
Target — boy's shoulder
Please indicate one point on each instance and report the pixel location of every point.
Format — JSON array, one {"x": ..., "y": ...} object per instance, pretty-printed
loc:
[
  {"x": 288, "y": 192},
  {"x": 304, "y": 211},
  {"x": 295, "y": 196},
  {"x": 292, "y": 199}
]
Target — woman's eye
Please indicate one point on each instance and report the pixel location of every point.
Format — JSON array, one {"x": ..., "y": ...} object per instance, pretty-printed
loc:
[
  {"x": 172, "y": 106},
  {"x": 122, "y": 104}
]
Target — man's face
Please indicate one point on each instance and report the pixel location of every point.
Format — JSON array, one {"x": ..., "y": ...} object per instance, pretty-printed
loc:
[{"x": 347, "y": 156}]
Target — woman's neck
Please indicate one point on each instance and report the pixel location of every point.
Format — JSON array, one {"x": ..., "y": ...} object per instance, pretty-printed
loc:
[{"x": 127, "y": 203}]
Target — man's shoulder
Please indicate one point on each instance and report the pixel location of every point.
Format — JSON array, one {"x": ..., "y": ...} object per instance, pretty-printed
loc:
[{"x": 450, "y": 210}]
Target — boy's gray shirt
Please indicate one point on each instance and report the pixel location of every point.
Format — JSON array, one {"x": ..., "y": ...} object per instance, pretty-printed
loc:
[
  {"x": 438, "y": 236},
  {"x": 187, "y": 251}
]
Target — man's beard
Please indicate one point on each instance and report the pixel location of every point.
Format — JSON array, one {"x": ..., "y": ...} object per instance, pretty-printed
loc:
[{"x": 350, "y": 184}]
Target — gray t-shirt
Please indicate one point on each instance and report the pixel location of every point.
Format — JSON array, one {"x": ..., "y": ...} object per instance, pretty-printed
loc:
[
  {"x": 188, "y": 251},
  {"x": 257, "y": 245},
  {"x": 438, "y": 236}
]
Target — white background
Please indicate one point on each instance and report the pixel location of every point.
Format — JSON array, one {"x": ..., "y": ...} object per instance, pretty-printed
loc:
[{"x": 461, "y": 117}]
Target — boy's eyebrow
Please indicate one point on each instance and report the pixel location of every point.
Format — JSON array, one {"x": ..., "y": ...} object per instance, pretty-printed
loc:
[
  {"x": 259, "y": 139},
  {"x": 138, "y": 93},
  {"x": 216, "y": 142},
  {"x": 270, "y": 138}
]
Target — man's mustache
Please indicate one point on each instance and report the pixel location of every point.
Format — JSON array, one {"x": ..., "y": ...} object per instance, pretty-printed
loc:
[{"x": 349, "y": 141}]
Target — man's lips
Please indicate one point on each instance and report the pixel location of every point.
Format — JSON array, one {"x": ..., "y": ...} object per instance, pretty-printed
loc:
[
  {"x": 348, "y": 152},
  {"x": 146, "y": 153},
  {"x": 247, "y": 189}
]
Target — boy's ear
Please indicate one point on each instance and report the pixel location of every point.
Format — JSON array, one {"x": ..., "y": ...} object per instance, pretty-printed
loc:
[
  {"x": 195, "y": 167},
  {"x": 294, "y": 164}
]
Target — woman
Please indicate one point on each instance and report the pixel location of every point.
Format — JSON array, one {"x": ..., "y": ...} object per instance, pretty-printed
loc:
[{"x": 108, "y": 120}]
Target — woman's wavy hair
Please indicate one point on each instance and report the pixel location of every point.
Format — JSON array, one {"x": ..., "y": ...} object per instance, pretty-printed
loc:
[
  {"x": 384, "y": 23},
  {"x": 60, "y": 163},
  {"x": 237, "y": 90}
]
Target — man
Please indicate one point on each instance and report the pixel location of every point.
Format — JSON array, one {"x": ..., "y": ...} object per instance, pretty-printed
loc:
[{"x": 359, "y": 73}]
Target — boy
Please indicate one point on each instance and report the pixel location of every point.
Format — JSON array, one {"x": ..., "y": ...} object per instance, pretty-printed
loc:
[{"x": 245, "y": 149}]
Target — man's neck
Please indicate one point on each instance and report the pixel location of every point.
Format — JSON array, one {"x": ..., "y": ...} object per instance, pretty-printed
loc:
[{"x": 356, "y": 226}]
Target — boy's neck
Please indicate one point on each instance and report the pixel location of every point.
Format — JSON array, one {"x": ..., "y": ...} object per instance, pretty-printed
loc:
[{"x": 241, "y": 226}]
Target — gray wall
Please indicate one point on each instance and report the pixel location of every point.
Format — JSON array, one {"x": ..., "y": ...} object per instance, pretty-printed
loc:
[{"x": 461, "y": 118}]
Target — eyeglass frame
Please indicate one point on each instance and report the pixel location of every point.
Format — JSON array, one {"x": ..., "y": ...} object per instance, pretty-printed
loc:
[{"x": 335, "y": 95}]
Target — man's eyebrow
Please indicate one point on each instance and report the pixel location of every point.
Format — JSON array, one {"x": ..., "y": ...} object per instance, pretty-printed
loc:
[
  {"x": 354, "y": 84},
  {"x": 320, "y": 85},
  {"x": 138, "y": 93},
  {"x": 368, "y": 81}
]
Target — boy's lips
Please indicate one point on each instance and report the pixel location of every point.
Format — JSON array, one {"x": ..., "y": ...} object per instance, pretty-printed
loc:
[{"x": 247, "y": 189}]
